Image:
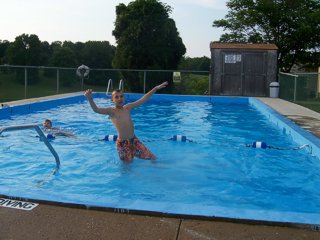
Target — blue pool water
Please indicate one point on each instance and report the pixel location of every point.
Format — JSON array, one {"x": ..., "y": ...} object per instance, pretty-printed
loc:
[{"x": 214, "y": 176}]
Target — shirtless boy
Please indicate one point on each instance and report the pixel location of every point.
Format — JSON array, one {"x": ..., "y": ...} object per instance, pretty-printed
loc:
[{"x": 128, "y": 145}]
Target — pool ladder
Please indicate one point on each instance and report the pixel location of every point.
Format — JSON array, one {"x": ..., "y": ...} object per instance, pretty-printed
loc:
[
  {"x": 110, "y": 85},
  {"x": 42, "y": 138}
]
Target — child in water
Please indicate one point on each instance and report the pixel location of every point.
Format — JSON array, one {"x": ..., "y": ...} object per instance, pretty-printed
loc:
[
  {"x": 47, "y": 125},
  {"x": 128, "y": 145}
]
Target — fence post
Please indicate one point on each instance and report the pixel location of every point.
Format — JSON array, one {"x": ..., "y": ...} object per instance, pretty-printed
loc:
[
  {"x": 58, "y": 80},
  {"x": 25, "y": 82},
  {"x": 144, "y": 81},
  {"x": 318, "y": 83},
  {"x": 295, "y": 89}
]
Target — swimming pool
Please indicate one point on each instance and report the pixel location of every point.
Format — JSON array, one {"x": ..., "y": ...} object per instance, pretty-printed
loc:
[{"x": 216, "y": 175}]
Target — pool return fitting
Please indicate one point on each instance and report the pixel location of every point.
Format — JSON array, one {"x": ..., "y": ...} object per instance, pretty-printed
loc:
[{"x": 43, "y": 138}]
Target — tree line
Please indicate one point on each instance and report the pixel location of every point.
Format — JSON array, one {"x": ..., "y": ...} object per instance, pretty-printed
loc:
[{"x": 28, "y": 50}]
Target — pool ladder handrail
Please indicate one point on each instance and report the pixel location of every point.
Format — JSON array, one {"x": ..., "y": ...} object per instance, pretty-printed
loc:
[
  {"x": 42, "y": 138},
  {"x": 110, "y": 85},
  {"x": 121, "y": 86}
]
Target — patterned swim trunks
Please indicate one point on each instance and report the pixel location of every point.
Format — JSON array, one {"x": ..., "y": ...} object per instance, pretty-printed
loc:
[{"x": 128, "y": 149}]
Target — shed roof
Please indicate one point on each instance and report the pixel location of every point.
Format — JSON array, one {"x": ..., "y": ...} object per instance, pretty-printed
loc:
[{"x": 260, "y": 46}]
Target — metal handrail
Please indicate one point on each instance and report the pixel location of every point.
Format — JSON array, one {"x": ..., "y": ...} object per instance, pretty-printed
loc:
[
  {"x": 42, "y": 137},
  {"x": 289, "y": 74},
  {"x": 109, "y": 85},
  {"x": 107, "y": 69},
  {"x": 121, "y": 87}
]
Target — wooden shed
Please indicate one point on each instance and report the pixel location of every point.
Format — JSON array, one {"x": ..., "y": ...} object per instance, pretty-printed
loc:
[{"x": 242, "y": 69}]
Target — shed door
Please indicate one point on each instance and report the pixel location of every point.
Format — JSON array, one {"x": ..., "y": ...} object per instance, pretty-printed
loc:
[
  {"x": 244, "y": 74},
  {"x": 254, "y": 82},
  {"x": 231, "y": 83}
]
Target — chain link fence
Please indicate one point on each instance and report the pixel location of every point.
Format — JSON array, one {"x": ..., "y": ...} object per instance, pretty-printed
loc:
[
  {"x": 22, "y": 82},
  {"x": 301, "y": 88}
]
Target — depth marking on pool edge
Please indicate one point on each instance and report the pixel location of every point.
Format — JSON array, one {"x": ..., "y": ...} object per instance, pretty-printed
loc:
[{"x": 9, "y": 203}]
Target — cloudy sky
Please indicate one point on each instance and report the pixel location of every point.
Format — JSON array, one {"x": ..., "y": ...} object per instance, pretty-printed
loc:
[{"x": 71, "y": 20}]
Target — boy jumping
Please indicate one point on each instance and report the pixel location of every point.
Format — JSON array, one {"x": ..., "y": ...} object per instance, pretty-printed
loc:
[{"x": 128, "y": 145}]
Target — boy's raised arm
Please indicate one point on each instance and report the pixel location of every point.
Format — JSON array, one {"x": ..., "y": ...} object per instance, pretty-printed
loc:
[
  {"x": 88, "y": 95},
  {"x": 146, "y": 96}
]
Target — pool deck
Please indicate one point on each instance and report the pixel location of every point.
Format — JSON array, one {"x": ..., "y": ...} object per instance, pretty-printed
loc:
[{"x": 49, "y": 221}]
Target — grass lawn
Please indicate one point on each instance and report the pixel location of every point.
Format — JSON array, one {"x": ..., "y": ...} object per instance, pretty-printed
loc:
[
  {"x": 11, "y": 90},
  {"x": 311, "y": 104}
]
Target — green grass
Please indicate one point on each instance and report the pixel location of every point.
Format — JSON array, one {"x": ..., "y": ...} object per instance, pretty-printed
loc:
[
  {"x": 11, "y": 90},
  {"x": 311, "y": 104}
]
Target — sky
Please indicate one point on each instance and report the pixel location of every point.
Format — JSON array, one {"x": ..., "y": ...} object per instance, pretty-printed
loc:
[{"x": 93, "y": 20}]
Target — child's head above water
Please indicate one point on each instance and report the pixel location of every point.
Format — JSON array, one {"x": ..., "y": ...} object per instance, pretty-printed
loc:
[
  {"x": 117, "y": 97},
  {"x": 47, "y": 124}
]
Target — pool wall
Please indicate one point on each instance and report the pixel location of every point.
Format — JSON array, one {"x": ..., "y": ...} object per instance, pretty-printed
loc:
[{"x": 298, "y": 135}]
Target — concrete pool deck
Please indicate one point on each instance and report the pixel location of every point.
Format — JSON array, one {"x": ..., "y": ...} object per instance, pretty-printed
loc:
[{"x": 49, "y": 221}]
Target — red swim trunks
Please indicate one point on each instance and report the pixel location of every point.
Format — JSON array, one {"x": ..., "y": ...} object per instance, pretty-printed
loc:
[{"x": 128, "y": 149}]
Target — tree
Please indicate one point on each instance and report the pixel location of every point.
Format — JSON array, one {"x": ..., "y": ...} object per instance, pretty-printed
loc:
[
  {"x": 197, "y": 63},
  {"x": 293, "y": 25},
  {"x": 4, "y": 45},
  {"x": 146, "y": 38},
  {"x": 77, "y": 49},
  {"x": 64, "y": 57},
  {"x": 99, "y": 54},
  {"x": 56, "y": 45},
  {"x": 25, "y": 50},
  {"x": 45, "y": 53}
]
